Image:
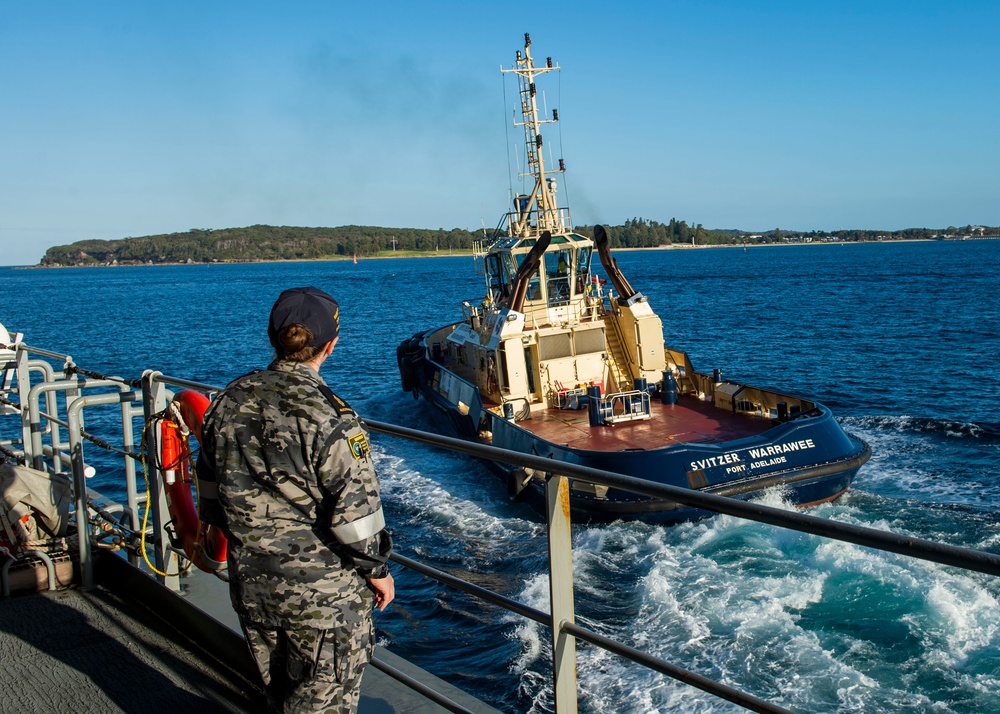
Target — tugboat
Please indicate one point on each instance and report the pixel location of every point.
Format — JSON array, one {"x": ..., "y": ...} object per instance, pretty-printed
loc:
[{"x": 550, "y": 363}]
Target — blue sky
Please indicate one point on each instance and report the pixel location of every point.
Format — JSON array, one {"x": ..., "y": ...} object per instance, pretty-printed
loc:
[{"x": 129, "y": 118}]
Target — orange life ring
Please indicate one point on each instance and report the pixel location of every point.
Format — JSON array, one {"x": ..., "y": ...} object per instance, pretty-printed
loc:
[{"x": 204, "y": 545}]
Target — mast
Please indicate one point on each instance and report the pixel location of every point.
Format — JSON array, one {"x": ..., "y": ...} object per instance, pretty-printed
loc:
[{"x": 540, "y": 205}]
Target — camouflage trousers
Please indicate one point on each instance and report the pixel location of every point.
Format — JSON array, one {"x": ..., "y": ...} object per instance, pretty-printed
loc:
[{"x": 309, "y": 670}]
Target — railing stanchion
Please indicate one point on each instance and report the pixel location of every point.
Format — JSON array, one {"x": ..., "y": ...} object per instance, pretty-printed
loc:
[
  {"x": 561, "y": 593},
  {"x": 154, "y": 401},
  {"x": 131, "y": 489},
  {"x": 74, "y": 418},
  {"x": 23, "y": 388}
]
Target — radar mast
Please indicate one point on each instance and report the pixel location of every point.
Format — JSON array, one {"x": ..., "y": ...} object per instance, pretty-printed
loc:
[{"x": 538, "y": 211}]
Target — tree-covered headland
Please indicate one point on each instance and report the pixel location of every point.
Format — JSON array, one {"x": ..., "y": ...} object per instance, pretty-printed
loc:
[
  {"x": 268, "y": 243},
  {"x": 258, "y": 243}
]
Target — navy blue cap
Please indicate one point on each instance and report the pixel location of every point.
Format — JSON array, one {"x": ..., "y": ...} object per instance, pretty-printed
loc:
[{"x": 311, "y": 307}]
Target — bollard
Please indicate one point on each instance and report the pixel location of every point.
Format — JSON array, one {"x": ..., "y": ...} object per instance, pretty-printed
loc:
[
  {"x": 668, "y": 392},
  {"x": 594, "y": 405},
  {"x": 508, "y": 411}
]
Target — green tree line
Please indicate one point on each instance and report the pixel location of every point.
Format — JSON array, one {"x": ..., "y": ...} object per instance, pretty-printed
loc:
[
  {"x": 642, "y": 233},
  {"x": 262, "y": 243},
  {"x": 258, "y": 243}
]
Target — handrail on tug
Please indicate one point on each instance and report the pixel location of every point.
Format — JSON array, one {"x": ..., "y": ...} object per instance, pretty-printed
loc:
[{"x": 155, "y": 395}]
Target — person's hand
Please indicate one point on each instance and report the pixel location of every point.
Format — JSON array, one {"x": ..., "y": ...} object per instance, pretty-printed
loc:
[{"x": 385, "y": 590}]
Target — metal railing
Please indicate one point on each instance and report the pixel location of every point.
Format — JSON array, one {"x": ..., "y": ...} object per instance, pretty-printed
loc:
[
  {"x": 154, "y": 396},
  {"x": 619, "y": 407},
  {"x": 564, "y": 629}
]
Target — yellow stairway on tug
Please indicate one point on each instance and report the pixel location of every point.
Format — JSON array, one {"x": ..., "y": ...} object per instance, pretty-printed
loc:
[{"x": 616, "y": 356}]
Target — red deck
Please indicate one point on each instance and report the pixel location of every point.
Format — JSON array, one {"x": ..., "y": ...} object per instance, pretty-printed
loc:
[{"x": 690, "y": 420}]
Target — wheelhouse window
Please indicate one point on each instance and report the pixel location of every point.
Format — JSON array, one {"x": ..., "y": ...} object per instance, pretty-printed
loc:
[
  {"x": 557, "y": 274},
  {"x": 494, "y": 272},
  {"x": 500, "y": 269}
]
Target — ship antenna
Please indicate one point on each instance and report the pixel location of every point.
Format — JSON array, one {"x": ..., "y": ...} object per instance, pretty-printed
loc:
[
  {"x": 562, "y": 165},
  {"x": 538, "y": 211},
  {"x": 506, "y": 135}
]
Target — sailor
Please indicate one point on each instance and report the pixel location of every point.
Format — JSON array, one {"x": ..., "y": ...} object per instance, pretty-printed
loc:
[{"x": 300, "y": 499}]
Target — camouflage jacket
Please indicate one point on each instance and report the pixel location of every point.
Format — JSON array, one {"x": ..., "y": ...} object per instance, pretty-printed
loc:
[{"x": 300, "y": 496}]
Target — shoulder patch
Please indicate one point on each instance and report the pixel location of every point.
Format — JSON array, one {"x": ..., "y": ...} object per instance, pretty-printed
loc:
[
  {"x": 359, "y": 445},
  {"x": 339, "y": 405}
]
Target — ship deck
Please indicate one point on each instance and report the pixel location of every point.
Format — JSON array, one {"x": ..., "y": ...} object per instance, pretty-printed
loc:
[
  {"x": 130, "y": 645},
  {"x": 98, "y": 652},
  {"x": 691, "y": 420}
]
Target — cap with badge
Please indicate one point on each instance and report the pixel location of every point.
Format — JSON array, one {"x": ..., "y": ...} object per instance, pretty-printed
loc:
[{"x": 311, "y": 307}]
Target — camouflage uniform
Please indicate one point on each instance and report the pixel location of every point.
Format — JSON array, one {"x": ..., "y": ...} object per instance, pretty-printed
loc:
[{"x": 304, "y": 521}]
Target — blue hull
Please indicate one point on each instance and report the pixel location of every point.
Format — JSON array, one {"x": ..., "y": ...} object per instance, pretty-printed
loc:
[{"x": 811, "y": 459}]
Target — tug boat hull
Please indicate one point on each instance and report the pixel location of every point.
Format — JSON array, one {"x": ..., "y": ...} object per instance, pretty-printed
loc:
[{"x": 811, "y": 459}]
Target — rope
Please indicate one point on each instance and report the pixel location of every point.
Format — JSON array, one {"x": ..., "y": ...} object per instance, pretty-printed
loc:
[
  {"x": 105, "y": 445},
  {"x": 108, "y": 529},
  {"x": 145, "y": 515},
  {"x": 71, "y": 368},
  {"x": 13, "y": 455},
  {"x": 108, "y": 516}
]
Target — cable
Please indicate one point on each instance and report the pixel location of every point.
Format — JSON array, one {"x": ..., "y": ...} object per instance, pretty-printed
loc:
[
  {"x": 506, "y": 137},
  {"x": 71, "y": 368},
  {"x": 562, "y": 150},
  {"x": 145, "y": 515}
]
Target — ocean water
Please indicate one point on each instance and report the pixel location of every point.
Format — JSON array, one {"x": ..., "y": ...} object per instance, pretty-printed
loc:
[{"x": 901, "y": 340}]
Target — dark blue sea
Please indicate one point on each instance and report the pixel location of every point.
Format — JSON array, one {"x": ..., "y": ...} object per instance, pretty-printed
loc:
[{"x": 900, "y": 340}]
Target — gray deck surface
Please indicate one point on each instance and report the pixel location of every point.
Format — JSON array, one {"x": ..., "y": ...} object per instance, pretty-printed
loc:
[{"x": 71, "y": 651}]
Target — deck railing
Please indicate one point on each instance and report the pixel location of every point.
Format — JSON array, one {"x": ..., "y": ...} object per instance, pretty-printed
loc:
[
  {"x": 619, "y": 407},
  {"x": 143, "y": 399}
]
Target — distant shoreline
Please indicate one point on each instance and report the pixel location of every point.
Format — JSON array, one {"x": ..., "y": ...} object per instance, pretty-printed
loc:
[{"x": 338, "y": 259}]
